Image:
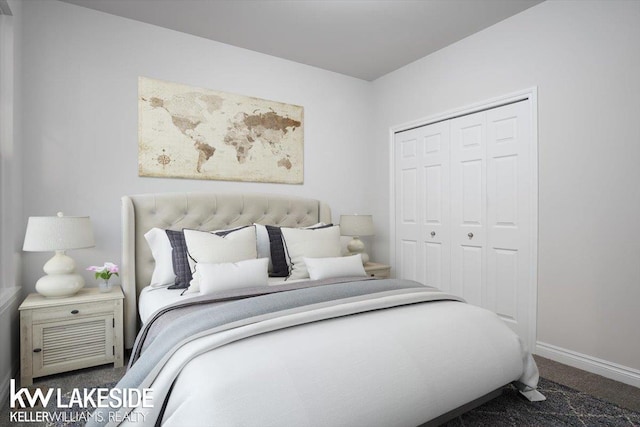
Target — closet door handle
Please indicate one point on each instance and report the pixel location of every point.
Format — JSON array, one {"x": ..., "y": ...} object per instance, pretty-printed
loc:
[
  {"x": 470, "y": 235},
  {"x": 433, "y": 234}
]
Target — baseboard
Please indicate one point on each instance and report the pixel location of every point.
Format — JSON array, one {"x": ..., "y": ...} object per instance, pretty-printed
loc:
[{"x": 607, "y": 369}]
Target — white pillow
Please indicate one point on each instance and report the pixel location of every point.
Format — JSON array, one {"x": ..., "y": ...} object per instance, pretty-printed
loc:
[
  {"x": 208, "y": 247},
  {"x": 263, "y": 245},
  {"x": 263, "y": 241},
  {"x": 205, "y": 246},
  {"x": 301, "y": 243},
  {"x": 327, "y": 268},
  {"x": 160, "y": 246},
  {"x": 226, "y": 276}
]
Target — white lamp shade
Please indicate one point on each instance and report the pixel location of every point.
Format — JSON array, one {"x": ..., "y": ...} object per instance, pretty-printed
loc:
[
  {"x": 356, "y": 225},
  {"x": 58, "y": 233}
]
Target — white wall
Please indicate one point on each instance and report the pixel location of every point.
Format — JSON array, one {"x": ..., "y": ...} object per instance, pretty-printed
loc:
[
  {"x": 10, "y": 146},
  {"x": 584, "y": 57},
  {"x": 81, "y": 70},
  {"x": 10, "y": 194}
]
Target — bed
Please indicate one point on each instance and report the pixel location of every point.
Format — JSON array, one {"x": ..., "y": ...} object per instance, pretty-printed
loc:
[{"x": 345, "y": 351}]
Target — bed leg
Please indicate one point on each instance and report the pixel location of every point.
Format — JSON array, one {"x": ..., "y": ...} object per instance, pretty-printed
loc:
[{"x": 533, "y": 395}]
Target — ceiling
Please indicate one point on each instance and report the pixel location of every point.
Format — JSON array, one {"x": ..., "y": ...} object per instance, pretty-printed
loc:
[{"x": 360, "y": 38}]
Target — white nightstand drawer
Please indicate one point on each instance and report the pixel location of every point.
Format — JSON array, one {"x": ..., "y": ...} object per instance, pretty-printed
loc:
[
  {"x": 380, "y": 271},
  {"x": 72, "y": 311}
]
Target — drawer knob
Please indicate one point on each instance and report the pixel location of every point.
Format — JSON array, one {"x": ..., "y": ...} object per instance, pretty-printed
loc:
[
  {"x": 37, "y": 350},
  {"x": 74, "y": 312}
]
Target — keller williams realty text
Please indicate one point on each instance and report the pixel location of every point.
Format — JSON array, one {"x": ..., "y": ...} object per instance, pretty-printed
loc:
[
  {"x": 83, "y": 398},
  {"x": 71, "y": 417}
]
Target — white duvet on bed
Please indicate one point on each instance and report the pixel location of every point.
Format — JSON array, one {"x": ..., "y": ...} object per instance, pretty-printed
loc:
[
  {"x": 382, "y": 368},
  {"x": 153, "y": 299}
]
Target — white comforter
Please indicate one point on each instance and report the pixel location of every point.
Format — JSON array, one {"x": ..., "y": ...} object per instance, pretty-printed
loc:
[{"x": 396, "y": 367}]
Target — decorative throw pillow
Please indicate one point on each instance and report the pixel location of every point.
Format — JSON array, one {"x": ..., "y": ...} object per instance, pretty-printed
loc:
[
  {"x": 179, "y": 258},
  {"x": 161, "y": 250},
  {"x": 262, "y": 243},
  {"x": 236, "y": 275},
  {"x": 280, "y": 267},
  {"x": 219, "y": 247},
  {"x": 328, "y": 268},
  {"x": 310, "y": 243}
]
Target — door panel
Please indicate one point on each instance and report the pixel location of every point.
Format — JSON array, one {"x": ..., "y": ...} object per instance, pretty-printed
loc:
[
  {"x": 433, "y": 194},
  {"x": 408, "y": 192},
  {"x": 503, "y": 264},
  {"x": 505, "y": 174},
  {"x": 471, "y": 190},
  {"x": 408, "y": 258},
  {"x": 433, "y": 265},
  {"x": 471, "y": 260},
  {"x": 422, "y": 204}
]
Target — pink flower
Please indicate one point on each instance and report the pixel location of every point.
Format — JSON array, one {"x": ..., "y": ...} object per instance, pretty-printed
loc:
[
  {"x": 105, "y": 272},
  {"x": 111, "y": 267}
]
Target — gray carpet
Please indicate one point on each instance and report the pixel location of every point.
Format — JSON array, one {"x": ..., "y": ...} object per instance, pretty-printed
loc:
[
  {"x": 623, "y": 395},
  {"x": 564, "y": 407}
]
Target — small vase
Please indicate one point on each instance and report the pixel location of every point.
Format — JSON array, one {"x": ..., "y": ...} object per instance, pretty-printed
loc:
[{"x": 104, "y": 285}]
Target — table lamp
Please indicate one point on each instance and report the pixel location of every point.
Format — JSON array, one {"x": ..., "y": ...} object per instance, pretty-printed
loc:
[
  {"x": 357, "y": 226},
  {"x": 58, "y": 233}
]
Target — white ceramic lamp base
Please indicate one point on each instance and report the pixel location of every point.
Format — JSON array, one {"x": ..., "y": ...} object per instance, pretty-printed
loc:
[
  {"x": 61, "y": 280},
  {"x": 356, "y": 246}
]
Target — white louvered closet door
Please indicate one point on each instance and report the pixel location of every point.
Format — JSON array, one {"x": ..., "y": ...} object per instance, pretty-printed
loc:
[
  {"x": 422, "y": 204},
  {"x": 463, "y": 209}
]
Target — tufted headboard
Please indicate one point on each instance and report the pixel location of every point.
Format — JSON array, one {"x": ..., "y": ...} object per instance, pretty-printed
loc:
[{"x": 201, "y": 211}]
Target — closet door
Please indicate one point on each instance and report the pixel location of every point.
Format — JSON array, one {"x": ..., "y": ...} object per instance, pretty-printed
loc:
[
  {"x": 463, "y": 205},
  {"x": 422, "y": 205},
  {"x": 469, "y": 207},
  {"x": 408, "y": 218},
  {"x": 509, "y": 192},
  {"x": 490, "y": 211}
]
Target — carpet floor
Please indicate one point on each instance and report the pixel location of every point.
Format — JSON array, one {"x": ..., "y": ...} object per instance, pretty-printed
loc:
[{"x": 564, "y": 407}]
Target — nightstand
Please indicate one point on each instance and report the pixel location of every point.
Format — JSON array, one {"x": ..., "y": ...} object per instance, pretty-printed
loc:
[
  {"x": 64, "y": 334},
  {"x": 381, "y": 271}
]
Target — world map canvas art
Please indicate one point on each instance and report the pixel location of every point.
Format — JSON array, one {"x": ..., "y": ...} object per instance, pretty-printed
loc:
[{"x": 189, "y": 132}]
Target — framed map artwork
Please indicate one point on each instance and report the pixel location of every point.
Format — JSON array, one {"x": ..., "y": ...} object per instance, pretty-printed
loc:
[{"x": 188, "y": 132}]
